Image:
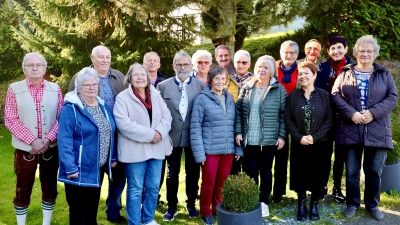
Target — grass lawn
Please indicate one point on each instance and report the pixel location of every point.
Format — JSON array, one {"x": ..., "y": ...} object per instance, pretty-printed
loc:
[{"x": 283, "y": 213}]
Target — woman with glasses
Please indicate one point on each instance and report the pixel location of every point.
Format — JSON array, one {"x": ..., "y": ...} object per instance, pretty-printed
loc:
[
  {"x": 202, "y": 60},
  {"x": 86, "y": 147},
  {"x": 143, "y": 122},
  {"x": 260, "y": 126}
]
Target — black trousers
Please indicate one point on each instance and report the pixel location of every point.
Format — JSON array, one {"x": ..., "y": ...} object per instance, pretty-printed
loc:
[{"x": 280, "y": 169}]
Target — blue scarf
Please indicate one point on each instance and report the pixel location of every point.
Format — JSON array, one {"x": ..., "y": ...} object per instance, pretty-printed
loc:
[{"x": 287, "y": 78}]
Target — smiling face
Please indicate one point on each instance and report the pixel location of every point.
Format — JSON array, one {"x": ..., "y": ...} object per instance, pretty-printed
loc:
[
  {"x": 101, "y": 60},
  {"x": 312, "y": 50},
  {"x": 242, "y": 65},
  {"x": 139, "y": 79},
  {"x": 306, "y": 77},
  {"x": 202, "y": 65},
  {"x": 223, "y": 58},
  {"x": 152, "y": 63},
  {"x": 89, "y": 88},
  {"x": 34, "y": 68},
  {"x": 288, "y": 56},
  {"x": 263, "y": 71},
  {"x": 218, "y": 82},
  {"x": 365, "y": 54},
  {"x": 337, "y": 51}
]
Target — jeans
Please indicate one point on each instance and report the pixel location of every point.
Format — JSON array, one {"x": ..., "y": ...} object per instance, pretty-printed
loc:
[
  {"x": 192, "y": 176},
  {"x": 280, "y": 169},
  {"x": 25, "y": 165},
  {"x": 257, "y": 162},
  {"x": 215, "y": 171},
  {"x": 374, "y": 159},
  {"x": 142, "y": 175},
  {"x": 115, "y": 189}
]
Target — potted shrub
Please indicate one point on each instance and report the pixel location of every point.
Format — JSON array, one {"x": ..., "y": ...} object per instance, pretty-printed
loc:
[
  {"x": 390, "y": 179},
  {"x": 240, "y": 204}
]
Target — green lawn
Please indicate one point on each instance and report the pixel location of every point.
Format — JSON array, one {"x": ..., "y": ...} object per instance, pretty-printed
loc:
[{"x": 329, "y": 210}]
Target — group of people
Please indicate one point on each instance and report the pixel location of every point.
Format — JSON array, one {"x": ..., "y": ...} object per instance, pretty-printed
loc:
[{"x": 224, "y": 119}]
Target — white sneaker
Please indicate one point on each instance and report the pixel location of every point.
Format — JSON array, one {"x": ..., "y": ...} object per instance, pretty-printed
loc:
[
  {"x": 152, "y": 223},
  {"x": 264, "y": 209}
]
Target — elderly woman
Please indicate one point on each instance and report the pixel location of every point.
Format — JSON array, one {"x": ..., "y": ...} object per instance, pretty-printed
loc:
[
  {"x": 308, "y": 117},
  {"x": 202, "y": 60},
  {"x": 365, "y": 94},
  {"x": 143, "y": 122},
  {"x": 212, "y": 139},
  {"x": 328, "y": 72},
  {"x": 260, "y": 126},
  {"x": 242, "y": 63},
  {"x": 86, "y": 147}
]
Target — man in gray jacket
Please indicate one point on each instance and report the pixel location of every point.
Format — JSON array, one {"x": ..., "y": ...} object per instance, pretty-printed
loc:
[
  {"x": 111, "y": 84},
  {"x": 179, "y": 93}
]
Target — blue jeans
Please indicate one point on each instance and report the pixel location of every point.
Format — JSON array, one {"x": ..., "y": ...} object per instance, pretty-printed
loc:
[
  {"x": 142, "y": 175},
  {"x": 374, "y": 159},
  {"x": 115, "y": 189}
]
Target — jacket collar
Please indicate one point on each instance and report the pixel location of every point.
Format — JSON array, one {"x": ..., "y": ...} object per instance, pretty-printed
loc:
[{"x": 72, "y": 97}]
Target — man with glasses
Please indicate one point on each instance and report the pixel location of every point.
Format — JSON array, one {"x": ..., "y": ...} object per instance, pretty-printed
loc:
[
  {"x": 151, "y": 61},
  {"x": 31, "y": 114},
  {"x": 202, "y": 60},
  {"x": 179, "y": 93},
  {"x": 242, "y": 62},
  {"x": 312, "y": 50},
  {"x": 111, "y": 84},
  {"x": 223, "y": 58}
]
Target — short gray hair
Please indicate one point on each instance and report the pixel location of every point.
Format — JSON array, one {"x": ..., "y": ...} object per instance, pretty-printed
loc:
[
  {"x": 222, "y": 47},
  {"x": 96, "y": 49},
  {"x": 84, "y": 74},
  {"x": 28, "y": 55},
  {"x": 290, "y": 43},
  {"x": 266, "y": 59},
  {"x": 129, "y": 74},
  {"x": 147, "y": 54},
  {"x": 200, "y": 54},
  {"x": 181, "y": 54},
  {"x": 240, "y": 53},
  {"x": 366, "y": 39}
]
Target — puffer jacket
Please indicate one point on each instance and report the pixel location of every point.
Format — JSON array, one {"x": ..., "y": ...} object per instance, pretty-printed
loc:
[
  {"x": 211, "y": 129},
  {"x": 272, "y": 113},
  {"x": 382, "y": 98}
]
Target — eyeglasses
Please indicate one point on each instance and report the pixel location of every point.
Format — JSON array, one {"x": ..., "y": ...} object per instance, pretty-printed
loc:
[
  {"x": 203, "y": 62},
  {"x": 32, "y": 65},
  {"x": 244, "y": 63},
  {"x": 88, "y": 86},
  {"x": 369, "y": 52},
  {"x": 186, "y": 65},
  {"x": 290, "y": 53}
]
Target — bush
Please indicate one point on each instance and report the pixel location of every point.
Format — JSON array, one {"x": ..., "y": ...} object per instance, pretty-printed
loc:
[
  {"x": 240, "y": 193},
  {"x": 393, "y": 156}
]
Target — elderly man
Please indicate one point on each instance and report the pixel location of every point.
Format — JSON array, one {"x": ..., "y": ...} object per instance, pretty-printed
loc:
[
  {"x": 151, "y": 61},
  {"x": 202, "y": 60},
  {"x": 179, "y": 93},
  {"x": 312, "y": 50},
  {"x": 223, "y": 58},
  {"x": 242, "y": 62},
  {"x": 287, "y": 76},
  {"x": 31, "y": 114},
  {"x": 111, "y": 84}
]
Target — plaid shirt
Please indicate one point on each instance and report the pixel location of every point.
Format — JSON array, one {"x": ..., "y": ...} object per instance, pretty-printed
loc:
[{"x": 16, "y": 127}]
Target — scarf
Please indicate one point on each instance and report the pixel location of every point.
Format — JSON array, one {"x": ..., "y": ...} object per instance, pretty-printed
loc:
[
  {"x": 337, "y": 67},
  {"x": 147, "y": 102},
  {"x": 287, "y": 78}
]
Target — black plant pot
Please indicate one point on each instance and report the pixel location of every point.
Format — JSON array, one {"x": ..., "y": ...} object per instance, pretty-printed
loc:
[
  {"x": 390, "y": 178},
  {"x": 233, "y": 218}
]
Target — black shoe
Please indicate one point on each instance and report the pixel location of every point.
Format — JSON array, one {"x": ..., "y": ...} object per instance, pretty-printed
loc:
[
  {"x": 170, "y": 214},
  {"x": 301, "y": 207},
  {"x": 324, "y": 192},
  {"x": 118, "y": 219},
  {"x": 314, "y": 215},
  {"x": 277, "y": 198},
  {"x": 337, "y": 193},
  {"x": 192, "y": 212}
]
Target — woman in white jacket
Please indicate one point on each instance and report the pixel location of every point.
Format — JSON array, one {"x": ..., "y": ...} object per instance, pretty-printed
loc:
[{"x": 143, "y": 121}]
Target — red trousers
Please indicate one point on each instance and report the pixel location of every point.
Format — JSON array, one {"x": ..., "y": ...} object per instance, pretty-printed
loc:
[{"x": 215, "y": 171}]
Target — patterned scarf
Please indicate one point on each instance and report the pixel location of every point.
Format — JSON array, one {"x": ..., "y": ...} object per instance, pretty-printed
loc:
[
  {"x": 287, "y": 78},
  {"x": 336, "y": 68},
  {"x": 147, "y": 102}
]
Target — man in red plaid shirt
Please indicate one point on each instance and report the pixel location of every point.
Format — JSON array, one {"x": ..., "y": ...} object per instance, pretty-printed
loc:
[{"x": 31, "y": 114}]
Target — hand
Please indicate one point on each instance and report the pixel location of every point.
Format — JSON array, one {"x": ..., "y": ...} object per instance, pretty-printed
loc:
[
  {"x": 202, "y": 163},
  {"x": 238, "y": 139},
  {"x": 310, "y": 138},
  {"x": 39, "y": 146},
  {"x": 358, "y": 118},
  {"x": 305, "y": 141},
  {"x": 114, "y": 164},
  {"x": 237, "y": 157},
  {"x": 280, "y": 143},
  {"x": 75, "y": 175},
  {"x": 157, "y": 137},
  {"x": 368, "y": 116},
  {"x": 46, "y": 141},
  {"x": 252, "y": 81}
]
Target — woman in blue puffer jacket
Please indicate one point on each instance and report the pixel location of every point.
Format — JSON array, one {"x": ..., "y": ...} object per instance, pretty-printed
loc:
[{"x": 212, "y": 139}]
